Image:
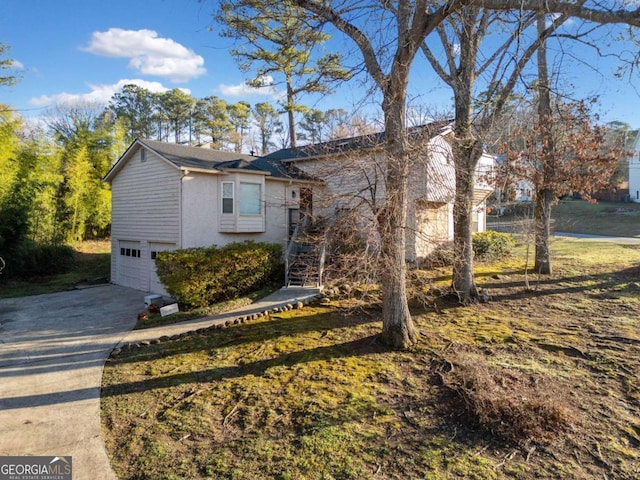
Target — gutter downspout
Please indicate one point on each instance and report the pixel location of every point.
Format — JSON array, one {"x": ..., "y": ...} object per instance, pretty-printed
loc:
[{"x": 180, "y": 209}]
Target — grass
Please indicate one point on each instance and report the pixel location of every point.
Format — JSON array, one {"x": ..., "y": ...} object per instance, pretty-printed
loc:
[
  {"x": 311, "y": 394},
  {"x": 157, "y": 320},
  {"x": 577, "y": 216},
  {"x": 93, "y": 263}
]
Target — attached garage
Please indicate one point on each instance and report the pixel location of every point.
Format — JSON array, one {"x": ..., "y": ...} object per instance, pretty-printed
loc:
[
  {"x": 129, "y": 264},
  {"x": 155, "y": 285}
]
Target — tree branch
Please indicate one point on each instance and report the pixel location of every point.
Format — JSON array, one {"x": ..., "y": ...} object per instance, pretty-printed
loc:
[
  {"x": 360, "y": 39},
  {"x": 629, "y": 17}
]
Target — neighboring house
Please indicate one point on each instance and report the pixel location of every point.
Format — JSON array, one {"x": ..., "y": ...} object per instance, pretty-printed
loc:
[
  {"x": 634, "y": 170},
  {"x": 512, "y": 188},
  {"x": 523, "y": 191},
  {"x": 168, "y": 196}
]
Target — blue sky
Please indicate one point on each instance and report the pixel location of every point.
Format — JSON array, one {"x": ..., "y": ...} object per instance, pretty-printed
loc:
[{"x": 68, "y": 50}]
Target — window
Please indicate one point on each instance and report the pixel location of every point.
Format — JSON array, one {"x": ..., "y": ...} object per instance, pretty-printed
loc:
[
  {"x": 227, "y": 197},
  {"x": 143, "y": 155},
  {"x": 250, "y": 199}
]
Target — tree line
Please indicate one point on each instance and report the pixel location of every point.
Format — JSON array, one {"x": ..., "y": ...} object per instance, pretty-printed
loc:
[{"x": 178, "y": 117}]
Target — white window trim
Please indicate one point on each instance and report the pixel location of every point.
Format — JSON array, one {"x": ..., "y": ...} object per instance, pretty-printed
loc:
[{"x": 233, "y": 199}]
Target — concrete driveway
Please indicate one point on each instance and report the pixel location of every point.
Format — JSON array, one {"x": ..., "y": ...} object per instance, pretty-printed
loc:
[{"x": 52, "y": 350}]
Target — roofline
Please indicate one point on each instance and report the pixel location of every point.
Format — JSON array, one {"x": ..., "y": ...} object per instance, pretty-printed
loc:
[
  {"x": 296, "y": 180},
  {"x": 444, "y": 130},
  {"x": 251, "y": 172},
  {"x": 116, "y": 167},
  {"x": 200, "y": 170},
  {"x": 379, "y": 146}
]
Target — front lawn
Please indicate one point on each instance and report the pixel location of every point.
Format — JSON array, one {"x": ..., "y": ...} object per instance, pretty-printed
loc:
[{"x": 537, "y": 383}]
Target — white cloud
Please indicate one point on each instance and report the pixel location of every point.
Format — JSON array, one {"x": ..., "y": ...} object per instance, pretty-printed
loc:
[
  {"x": 148, "y": 53},
  {"x": 16, "y": 65},
  {"x": 243, "y": 89},
  {"x": 553, "y": 16},
  {"x": 99, "y": 94}
]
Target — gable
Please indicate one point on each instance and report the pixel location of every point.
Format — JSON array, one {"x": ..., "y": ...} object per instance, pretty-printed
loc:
[
  {"x": 135, "y": 151},
  {"x": 146, "y": 198}
]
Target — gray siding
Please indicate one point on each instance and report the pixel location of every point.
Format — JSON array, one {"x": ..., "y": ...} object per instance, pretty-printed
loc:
[{"x": 146, "y": 201}]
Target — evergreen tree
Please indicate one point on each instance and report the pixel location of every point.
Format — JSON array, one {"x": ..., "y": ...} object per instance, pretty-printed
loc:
[
  {"x": 240, "y": 117},
  {"x": 267, "y": 120},
  {"x": 6, "y": 64},
  {"x": 211, "y": 119},
  {"x": 176, "y": 109},
  {"x": 279, "y": 42},
  {"x": 134, "y": 106}
]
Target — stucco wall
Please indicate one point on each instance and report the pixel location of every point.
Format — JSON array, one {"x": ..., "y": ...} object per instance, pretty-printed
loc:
[{"x": 202, "y": 211}]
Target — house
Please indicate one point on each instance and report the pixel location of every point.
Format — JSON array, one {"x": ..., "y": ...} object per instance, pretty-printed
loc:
[
  {"x": 634, "y": 169},
  {"x": 352, "y": 173},
  {"x": 168, "y": 196}
]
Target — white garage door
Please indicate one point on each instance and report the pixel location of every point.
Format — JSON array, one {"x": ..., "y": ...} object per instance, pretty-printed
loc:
[
  {"x": 155, "y": 286},
  {"x": 129, "y": 264}
]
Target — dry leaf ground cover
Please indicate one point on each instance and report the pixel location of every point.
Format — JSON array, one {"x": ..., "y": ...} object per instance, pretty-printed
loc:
[{"x": 537, "y": 383}]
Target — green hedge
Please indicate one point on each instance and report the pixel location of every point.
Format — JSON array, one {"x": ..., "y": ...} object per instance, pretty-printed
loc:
[
  {"x": 29, "y": 260},
  {"x": 200, "y": 277},
  {"x": 490, "y": 244}
]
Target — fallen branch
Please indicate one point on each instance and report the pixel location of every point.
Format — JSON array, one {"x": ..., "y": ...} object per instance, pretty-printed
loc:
[{"x": 229, "y": 415}]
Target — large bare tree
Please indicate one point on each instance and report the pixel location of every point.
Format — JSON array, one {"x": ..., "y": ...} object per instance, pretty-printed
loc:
[{"x": 470, "y": 63}]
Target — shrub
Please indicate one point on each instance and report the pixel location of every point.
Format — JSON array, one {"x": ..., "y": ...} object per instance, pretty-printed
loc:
[
  {"x": 29, "y": 260},
  {"x": 490, "y": 244},
  {"x": 200, "y": 277}
]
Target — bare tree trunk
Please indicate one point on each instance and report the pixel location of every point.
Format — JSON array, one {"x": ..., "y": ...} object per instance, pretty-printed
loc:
[
  {"x": 463, "y": 282},
  {"x": 398, "y": 329},
  {"x": 544, "y": 201},
  {"x": 467, "y": 150},
  {"x": 545, "y": 194},
  {"x": 293, "y": 138}
]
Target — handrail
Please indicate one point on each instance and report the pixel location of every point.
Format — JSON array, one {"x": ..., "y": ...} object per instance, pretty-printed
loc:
[{"x": 323, "y": 249}]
